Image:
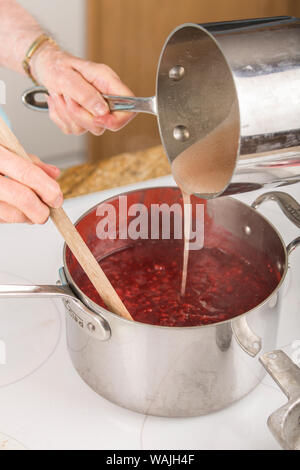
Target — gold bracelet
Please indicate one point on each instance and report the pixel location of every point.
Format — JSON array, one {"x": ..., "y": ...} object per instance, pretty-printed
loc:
[{"x": 31, "y": 51}]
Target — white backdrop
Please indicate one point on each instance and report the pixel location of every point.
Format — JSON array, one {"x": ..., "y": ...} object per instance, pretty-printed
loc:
[{"x": 66, "y": 21}]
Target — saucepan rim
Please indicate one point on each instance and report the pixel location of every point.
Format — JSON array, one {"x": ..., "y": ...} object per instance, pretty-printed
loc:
[{"x": 96, "y": 308}]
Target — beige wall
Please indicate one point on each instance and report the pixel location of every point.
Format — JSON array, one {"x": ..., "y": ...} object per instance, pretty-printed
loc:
[{"x": 65, "y": 19}]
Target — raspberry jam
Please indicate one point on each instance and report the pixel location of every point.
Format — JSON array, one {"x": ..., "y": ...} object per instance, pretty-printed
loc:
[{"x": 220, "y": 284}]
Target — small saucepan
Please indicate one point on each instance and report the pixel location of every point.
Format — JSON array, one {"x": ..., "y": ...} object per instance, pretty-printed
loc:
[{"x": 226, "y": 78}]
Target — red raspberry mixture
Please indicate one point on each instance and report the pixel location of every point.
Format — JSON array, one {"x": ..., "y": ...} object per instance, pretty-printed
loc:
[{"x": 220, "y": 285}]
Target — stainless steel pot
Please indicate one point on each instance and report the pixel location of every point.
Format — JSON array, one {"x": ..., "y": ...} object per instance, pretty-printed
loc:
[
  {"x": 173, "y": 371},
  {"x": 245, "y": 73}
]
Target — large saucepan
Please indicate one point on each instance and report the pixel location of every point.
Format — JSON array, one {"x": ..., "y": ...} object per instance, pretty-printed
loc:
[
  {"x": 245, "y": 73},
  {"x": 172, "y": 371}
]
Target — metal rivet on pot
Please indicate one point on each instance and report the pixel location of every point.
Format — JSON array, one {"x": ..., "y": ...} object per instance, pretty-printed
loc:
[
  {"x": 247, "y": 230},
  {"x": 181, "y": 133},
  {"x": 272, "y": 355},
  {"x": 176, "y": 73}
]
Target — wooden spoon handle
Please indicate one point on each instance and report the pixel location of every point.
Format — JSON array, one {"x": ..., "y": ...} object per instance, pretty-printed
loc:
[
  {"x": 72, "y": 237},
  {"x": 88, "y": 262}
]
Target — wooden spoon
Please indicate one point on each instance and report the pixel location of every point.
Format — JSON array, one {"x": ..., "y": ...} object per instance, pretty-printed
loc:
[{"x": 72, "y": 237}]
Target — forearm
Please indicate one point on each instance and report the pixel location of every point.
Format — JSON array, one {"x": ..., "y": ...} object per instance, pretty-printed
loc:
[
  {"x": 75, "y": 86},
  {"x": 18, "y": 30}
]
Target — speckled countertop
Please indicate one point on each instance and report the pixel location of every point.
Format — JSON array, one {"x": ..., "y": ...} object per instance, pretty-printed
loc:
[{"x": 120, "y": 170}]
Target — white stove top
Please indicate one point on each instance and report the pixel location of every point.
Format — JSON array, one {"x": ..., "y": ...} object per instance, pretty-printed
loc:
[{"x": 44, "y": 404}]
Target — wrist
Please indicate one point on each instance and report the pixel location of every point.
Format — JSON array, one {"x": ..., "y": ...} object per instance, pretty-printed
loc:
[{"x": 42, "y": 59}]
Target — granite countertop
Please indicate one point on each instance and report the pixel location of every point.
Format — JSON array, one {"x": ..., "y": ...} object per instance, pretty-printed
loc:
[{"x": 120, "y": 170}]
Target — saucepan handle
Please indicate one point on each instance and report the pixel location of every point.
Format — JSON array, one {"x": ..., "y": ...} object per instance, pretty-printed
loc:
[
  {"x": 93, "y": 324},
  {"x": 284, "y": 371},
  {"x": 289, "y": 206},
  {"x": 36, "y": 98},
  {"x": 284, "y": 423}
]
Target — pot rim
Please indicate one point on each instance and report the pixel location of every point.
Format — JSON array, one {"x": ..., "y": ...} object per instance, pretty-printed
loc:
[{"x": 95, "y": 307}]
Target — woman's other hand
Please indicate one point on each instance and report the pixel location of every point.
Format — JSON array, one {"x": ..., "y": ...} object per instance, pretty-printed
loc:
[{"x": 27, "y": 189}]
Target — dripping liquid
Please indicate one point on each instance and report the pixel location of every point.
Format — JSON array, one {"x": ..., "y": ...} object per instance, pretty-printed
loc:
[{"x": 187, "y": 215}]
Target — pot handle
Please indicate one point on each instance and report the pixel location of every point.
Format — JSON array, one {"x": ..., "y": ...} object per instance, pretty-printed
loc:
[
  {"x": 250, "y": 342},
  {"x": 284, "y": 423},
  {"x": 284, "y": 371},
  {"x": 115, "y": 103},
  {"x": 289, "y": 206},
  {"x": 245, "y": 337},
  {"x": 93, "y": 324}
]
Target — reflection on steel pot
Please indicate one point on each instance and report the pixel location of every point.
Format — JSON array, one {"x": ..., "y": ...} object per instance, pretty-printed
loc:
[{"x": 172, "y": 371}]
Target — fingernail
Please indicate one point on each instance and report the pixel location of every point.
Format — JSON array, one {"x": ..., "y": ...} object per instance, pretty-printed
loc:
[
  {"x": 56, "y": 171},
  {"x": 101, "y": 109},
  {"x": 58, "y": 201}
]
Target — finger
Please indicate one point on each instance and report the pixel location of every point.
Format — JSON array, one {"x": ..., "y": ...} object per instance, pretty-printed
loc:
[
  {"x": 114, "y": 121},
  {"x": 64, "y": 115},
  {"x": 24, "y": 199},
  {"x": 82, "y": 117},
  {"x": 32, "y": 176},
  {"x": 55, "y": 118},
  {"x": 104, "y": 79},
  {"x": 11, "y": 215},
  {"x": 60, "y": 118},
  {"x": 51, "y": 170},
  {"x": 74, "y": 85}
]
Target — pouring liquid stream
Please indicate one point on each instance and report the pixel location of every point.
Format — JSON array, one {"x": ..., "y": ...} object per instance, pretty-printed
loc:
[
  {"x": 205, "y": 168},
  {"x": 187, "y": 217}
]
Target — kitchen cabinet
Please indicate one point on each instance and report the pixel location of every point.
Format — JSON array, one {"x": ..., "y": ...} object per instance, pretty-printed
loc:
[{"x": 128, "y": 35}]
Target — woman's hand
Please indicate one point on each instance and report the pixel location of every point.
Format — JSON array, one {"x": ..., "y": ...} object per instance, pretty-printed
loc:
[
  {"x": 28, "y": 190},
  {"x": 75, "y": 86}
]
